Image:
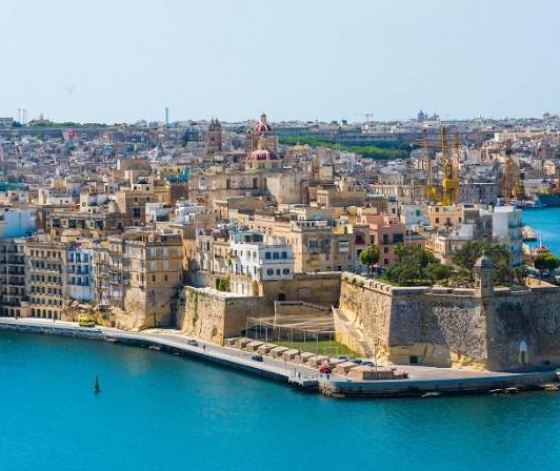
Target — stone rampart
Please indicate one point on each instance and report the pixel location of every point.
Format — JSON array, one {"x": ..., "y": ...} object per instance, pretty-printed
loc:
[
  {"x": 513, "y": 328},
  {"x": 215, "y": 315},
  {"x": 316, "y": 288}
]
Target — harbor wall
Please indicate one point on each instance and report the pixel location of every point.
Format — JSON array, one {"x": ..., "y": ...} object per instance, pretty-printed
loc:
[
  {"x": 514, "y": 328},
  {"x": 214, "y": 315}
]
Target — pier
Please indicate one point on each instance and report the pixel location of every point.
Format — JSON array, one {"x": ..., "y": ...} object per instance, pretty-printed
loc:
[{"x": 420, "y": 381}]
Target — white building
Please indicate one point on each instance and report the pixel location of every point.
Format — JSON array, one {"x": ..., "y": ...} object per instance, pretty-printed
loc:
[
  {"x": 506, "y": 229},
  {"x": 253, "y": 261},
  {"x": 79, "y": 273}
]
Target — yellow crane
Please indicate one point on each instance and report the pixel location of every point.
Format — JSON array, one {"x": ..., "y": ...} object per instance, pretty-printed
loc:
[
  {"x": 447, "y": 192},
  {"x": 450, "y": 182},
  {"x": 433, "y": 191}
]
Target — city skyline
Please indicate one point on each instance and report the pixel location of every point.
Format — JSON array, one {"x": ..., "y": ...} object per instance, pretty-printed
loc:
[{"x": 315, "y": 61}]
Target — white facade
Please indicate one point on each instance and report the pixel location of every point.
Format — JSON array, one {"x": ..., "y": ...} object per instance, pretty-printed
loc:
[
  {"x": 157, "y": 212},
  {"x": 79, "y": 274},
  {"x": 412, "y": 215},
  {"x": 185, "y": 211},
  {"x": 259, "y": 262},
  {"x": 506, "y": 230}
]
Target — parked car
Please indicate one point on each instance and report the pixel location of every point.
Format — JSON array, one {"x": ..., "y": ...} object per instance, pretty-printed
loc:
[
  {"x": 325, "y": 369},
  {"x": 257, "y": 358},
  {"x": 192, "y": 343}
]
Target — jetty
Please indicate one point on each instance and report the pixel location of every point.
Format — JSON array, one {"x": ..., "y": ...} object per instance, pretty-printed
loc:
[{"x": 412, "y": 381}]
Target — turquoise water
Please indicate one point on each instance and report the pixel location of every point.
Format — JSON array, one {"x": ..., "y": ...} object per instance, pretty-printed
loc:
[
  {"x": 160, "y": 412},
  {"x": 546, "y": 223}
]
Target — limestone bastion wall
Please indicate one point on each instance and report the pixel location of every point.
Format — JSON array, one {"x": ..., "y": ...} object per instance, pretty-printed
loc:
[
  {"x": 429, "y": 326},
  {"x": 316, "y": 288},
  {"x": 513, "y": 328},
  {"x": 524, "y": 328},
  {"x": 214, "y": 315}
]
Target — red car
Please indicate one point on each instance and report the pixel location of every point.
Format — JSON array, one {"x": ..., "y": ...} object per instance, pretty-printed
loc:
[{"x": 325, "y": 369}]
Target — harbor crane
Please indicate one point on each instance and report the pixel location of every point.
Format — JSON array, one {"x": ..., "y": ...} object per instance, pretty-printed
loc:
[{"x": 448, "y": 192}]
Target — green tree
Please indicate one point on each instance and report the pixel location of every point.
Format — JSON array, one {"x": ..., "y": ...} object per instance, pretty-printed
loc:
[
  {"x": 438, "y": 272},
  {"x": 401, "y": 251},
  {"x": 501, "y": 256},
  {"x": 546, "y": 262},
  {"x": 369, "y": 256},
  {"x": 467, "y": 255}
]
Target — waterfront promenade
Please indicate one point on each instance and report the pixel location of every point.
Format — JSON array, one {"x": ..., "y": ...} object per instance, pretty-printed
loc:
[{"x": 420, "y": 379}]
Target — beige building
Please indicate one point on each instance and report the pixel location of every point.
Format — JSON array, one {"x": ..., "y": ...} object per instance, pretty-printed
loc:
[{"x": 140, "y": 272}]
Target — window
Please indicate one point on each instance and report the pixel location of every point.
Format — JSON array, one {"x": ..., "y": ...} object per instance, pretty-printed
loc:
[
  {"x": 267, "y": 255},
  {"x": 270, "y": 272},
  {"x": 313, "y": 243},
  {"x": 284, "y": 255},
  {"x": 343, "y": 246},
  {"x": 385, "y": 239},
  {"x": 286, "y": 271}
]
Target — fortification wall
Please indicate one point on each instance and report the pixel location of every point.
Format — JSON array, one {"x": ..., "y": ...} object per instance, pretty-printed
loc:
[
  {"x": 215, "y": 315},
  {"x": 525, "y": 328},
  {"x": 317, "y": 288},
  {"x": 299, "y": 309},
  {"x": 515, "y": 328}
]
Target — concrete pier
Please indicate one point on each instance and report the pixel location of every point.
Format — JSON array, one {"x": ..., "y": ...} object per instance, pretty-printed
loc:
[{"x": 421, "y": 381}]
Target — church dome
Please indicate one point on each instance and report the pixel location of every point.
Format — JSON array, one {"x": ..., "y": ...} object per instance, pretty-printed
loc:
[
  {"x": 262, "y": 126},
  {"x": 261, "y": 155}
]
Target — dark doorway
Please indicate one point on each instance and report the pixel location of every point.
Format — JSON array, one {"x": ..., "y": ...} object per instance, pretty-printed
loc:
[
  {"x": 413, "y": 359},
  {"x": 281, "y": 297}
]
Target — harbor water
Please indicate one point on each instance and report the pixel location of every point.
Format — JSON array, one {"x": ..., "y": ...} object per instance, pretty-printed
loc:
[
  {"x": 156, "y": 411},
  {"x": 546, "y": 224}
]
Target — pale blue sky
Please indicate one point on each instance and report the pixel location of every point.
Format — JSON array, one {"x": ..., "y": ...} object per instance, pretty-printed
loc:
[{"x": 126, "y": 60}]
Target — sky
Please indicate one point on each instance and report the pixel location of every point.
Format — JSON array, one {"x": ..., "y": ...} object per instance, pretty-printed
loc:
[{"x": 119, "y": 61}]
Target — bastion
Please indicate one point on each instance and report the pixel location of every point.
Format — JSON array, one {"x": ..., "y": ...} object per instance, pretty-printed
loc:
[{"x": 493, "y": 328}]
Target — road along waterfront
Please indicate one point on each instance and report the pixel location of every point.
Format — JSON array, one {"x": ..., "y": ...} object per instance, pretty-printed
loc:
[{"x": 421, "y": 380}]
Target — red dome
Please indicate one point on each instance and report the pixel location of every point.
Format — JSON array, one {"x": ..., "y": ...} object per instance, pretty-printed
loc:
[
  {"x": 263, "y": 155},
  {"x": 262, "y": 126}
]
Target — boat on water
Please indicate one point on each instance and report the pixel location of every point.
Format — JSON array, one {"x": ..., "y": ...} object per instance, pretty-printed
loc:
[
  {"x": 96, "y": 386},
  {"x": 527, "y": 204},
  {"x": 548, "y": 200},
  {"x": 528, "y": 234}
]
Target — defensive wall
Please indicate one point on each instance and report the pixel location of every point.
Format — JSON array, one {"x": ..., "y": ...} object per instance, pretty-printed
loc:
[
  {"x": 497, "y": 329},
  {"x": 214, "y": 315}
]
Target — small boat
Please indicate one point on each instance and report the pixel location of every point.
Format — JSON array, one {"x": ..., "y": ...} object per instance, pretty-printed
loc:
[
  {"x": 96, "y": 387},
  {"x": 511, "y": 390},
  {"x": 551, "y": 387},
  {"x": 496, "y": 391}
]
